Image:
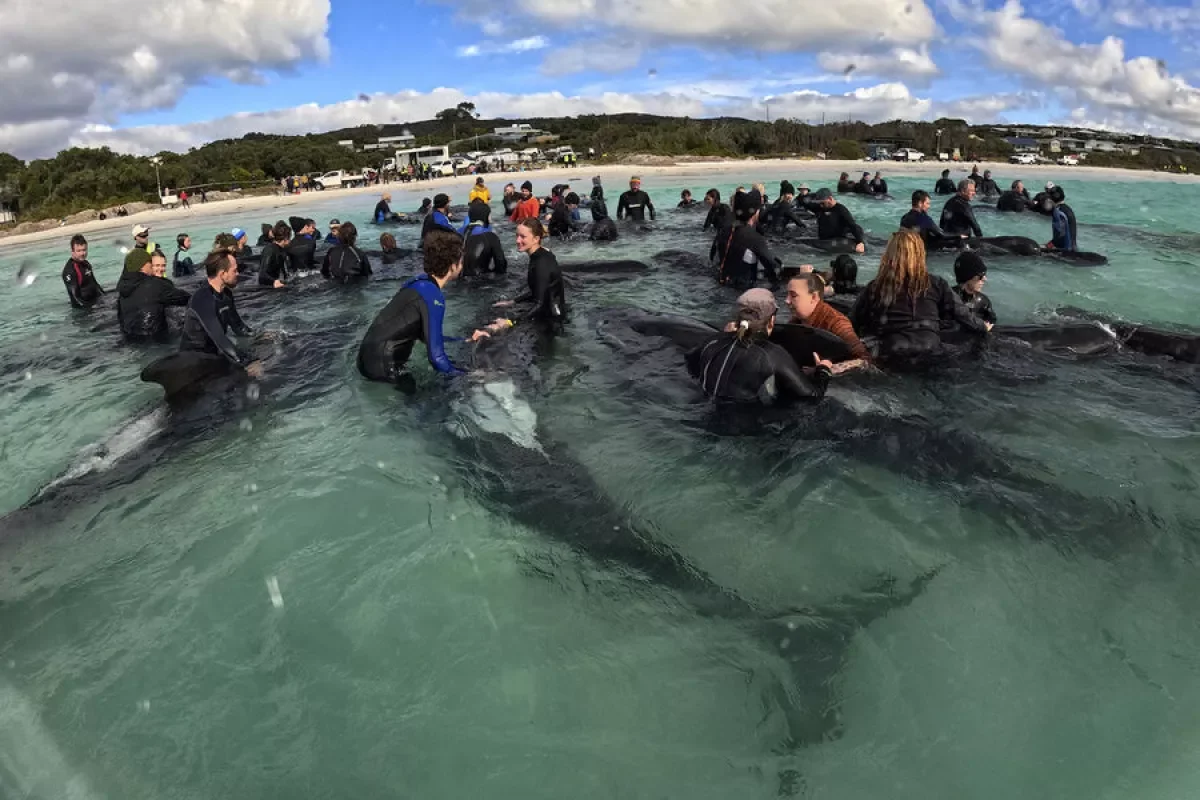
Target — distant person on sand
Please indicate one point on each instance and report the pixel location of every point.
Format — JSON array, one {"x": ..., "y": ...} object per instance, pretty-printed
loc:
[{"x": 183, "y": 199}]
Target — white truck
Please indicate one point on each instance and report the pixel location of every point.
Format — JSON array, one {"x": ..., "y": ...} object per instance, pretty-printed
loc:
[
  {"x": 1027, "y": 159},
  {"x": 443, "y": 168},
  {"x": 339, "y": 178},
  {"x": 908, "y": 154}
]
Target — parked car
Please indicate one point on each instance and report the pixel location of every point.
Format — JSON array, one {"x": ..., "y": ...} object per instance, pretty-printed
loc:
[
  {"x": 1023, "y": 158},
  {"x": 339, "y": 178},
  {"x": 443, "y": 168},
  {"x": 1069, "y": 160},
  {"x": 908, "y": 154}
]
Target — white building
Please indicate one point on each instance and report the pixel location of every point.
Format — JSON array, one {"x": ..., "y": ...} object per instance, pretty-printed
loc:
[
  {"x": 516, "y": 133},
  {"x": 402, "y": 139}
]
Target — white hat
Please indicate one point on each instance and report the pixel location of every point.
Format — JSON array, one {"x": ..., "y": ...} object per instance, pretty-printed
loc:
[
  {"x": 1049, "y": 185},
  {"x": 140, "y": 230}
]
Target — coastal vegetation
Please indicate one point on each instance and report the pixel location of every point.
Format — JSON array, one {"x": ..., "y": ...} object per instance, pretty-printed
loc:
[{"x": 79, "y": 178}]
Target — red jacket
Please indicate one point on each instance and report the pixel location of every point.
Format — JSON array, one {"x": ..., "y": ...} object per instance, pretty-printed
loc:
[{"x": 525, "y": 209}]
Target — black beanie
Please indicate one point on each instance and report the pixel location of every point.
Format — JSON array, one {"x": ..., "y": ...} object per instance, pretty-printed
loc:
[
  {"x": 845, "y": 270},
  {"x": 527, "y": 185},
  {"x": 785, "y": 187},
  {"x": 571, "y": 199},
  {"x": 746, "y": 204},
  {"x": 968, "y": 266}
]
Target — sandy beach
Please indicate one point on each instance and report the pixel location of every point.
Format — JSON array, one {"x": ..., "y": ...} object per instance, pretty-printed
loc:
[{"x": 816, "y": 173}]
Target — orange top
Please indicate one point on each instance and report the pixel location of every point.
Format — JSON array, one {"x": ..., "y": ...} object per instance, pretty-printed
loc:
[
  {"x": 828, "y": 318},
  {"x": 526, "y": 209}
]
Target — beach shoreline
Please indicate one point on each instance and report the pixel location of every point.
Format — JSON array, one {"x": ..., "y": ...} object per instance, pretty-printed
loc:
[{"x": 818, "y": 172}]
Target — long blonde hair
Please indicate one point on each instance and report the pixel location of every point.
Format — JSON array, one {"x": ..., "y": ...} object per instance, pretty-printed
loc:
[{"x": 902, "y": 271}]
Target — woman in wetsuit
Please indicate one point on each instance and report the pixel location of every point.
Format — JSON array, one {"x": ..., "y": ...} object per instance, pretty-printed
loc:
[
  {"x": 546, "y": 297},
  {"x": 720, "y": 215},
  {"x": 743, "y": 366},
  {"x": 416, "y": 314},
  {"x": 905, "y": 307}
]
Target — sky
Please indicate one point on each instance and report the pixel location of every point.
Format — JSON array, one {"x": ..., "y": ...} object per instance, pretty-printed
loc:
[{"x": 141, "y": 76}]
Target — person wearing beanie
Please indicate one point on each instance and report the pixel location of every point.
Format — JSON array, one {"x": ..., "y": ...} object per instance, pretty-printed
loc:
[
  {"x": 528, "y": 205},
  {"x": 482, "y": 250},
  {"x": 782, "y": 212},
  {"x": 1062, "y": 222},
  {"x": 970, "y": 273},
  {"x": 742, "y": 365},
  {"x": 945, "y": 184},
  {"x": 439, "y": 217},
  {"x": 561, "y": 223},
  {"x": 479, "y": 192},
  {"x": 635, "y": 202},
  {"x": 740, "y": 249},
  {"x": 332, "y": 236},
  {"x": 864, "y": 184},
  {"x": 686, "y": 200}
]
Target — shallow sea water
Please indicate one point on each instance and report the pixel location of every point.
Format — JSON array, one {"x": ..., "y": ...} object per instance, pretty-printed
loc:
[{"x": 315, "y": 589}]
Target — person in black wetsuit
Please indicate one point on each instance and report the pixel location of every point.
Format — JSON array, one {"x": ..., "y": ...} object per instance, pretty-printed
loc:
[
  {"x": 844, "y": 183},
  {"x": 1042, "y": 203},
  {"x": 782, "y": 212},
  {"x": 743, "y": 366},
  {"x": 344, "y": 262},
  {"x": 905, "y": 307},
  {"x": 944, "y": 185},
  {"x": 415, "y": 314},
  {"x": 142, "y": 300},
  {"x": 720, "y": 215},
  {"x": 634, "y": 203},
  {"x": 211, "y": 313},
  {"x": 970, "y": 273},
  {"x": 686, "y": 200},
  {"x": 918, "y": 219},
  {"x": 864, "y": 184},
  {"x": 546, "y": 299},
  {"x": 383, "y": 209},
  {"x": 958, "y": 218},
  {"x": 602, "y": 229},
  {"x": 302, "y": 250},
  {"x": 806, "y": 201},
  {"x": 561, "y": 223},
  {"x": 183, "y": 265},
  {"x": 82, "y": 288},
  {"x": 834, "y": 221},
  {"x": 482, "y": 250},
  {"x": 739, "y": 249},
  {"x": 987, "y": 186},
  {"x": 1015, "y": 199},
  {"x": 265, "y": 237},
  {"x": 511, "y": 199},
  {"x": 273, "y": 265},
  {"x": 975, "y": 177},
  {"x": 878, "y": 185},
  {"x": 426, "y": 207}
]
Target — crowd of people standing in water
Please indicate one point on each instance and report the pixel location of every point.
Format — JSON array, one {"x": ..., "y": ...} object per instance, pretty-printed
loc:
[{"x": 897, "y": 318}]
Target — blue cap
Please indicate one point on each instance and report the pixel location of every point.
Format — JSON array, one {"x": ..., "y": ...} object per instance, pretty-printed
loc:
[{"x": 238, "y": 233}]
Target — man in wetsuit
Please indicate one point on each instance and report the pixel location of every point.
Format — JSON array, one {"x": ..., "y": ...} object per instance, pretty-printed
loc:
[
  {"x": 1015, "y": 199},
  {"x": 958, "y": 218},
  {"x": 781, "y": 213},
  {"x": 1062, "y": 222},
  {"x": 482, "y": 250},
  {"x": 970, "y": 273},
  {"x": 834, "y": 221},
  {"x": 143, "y": 298},
  {"x": 987, "y": 186},
  {"x": 740, "y": 248},
  {"x": 82, "y": 288},
  {"x": 302, "y": 250},
  {"x": 1042, "y": 203},
  {"x": 918, "y": 219},
  {"x": 864, "y": 184},
  {"x": 944, "y": 185},
  {"x": 439, "y": 217},
  {"x": 211, "y": 313},
  {"x": 141, "y": 239},
  {"x": 878, "y": 184},
  {"x": 332, "y": 236},
  {"x": 634, "y": 203},
  {"x": 383, "y": 209},
  {"x": 416, "y": 314},
  {"x": 273, "y": 265}
]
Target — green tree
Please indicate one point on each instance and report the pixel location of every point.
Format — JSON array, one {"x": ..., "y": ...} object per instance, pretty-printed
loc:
[{"x": 846, "y": 150}]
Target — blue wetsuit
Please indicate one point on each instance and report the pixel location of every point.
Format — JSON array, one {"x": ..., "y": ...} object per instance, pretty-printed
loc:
[
  {"x": 1064, "y": 233},
  {"x": 415, "y": 314},
  {"x": 331, "y": 239},
  {"x": 383, "y": 211},
  {"x": 435, "y": 220}
]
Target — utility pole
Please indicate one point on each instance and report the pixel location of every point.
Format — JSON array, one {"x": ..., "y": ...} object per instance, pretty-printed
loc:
[{"x": 155, "y": 160}]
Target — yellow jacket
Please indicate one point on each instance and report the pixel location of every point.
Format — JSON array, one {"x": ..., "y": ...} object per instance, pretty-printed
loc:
[{"x": 481, "y": 193}]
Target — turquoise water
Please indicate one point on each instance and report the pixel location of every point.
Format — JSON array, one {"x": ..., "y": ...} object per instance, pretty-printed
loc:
[{"x": 432, "y": 641}]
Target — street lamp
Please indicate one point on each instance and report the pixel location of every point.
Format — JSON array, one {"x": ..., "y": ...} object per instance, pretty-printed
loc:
[{"x": 156, "y": 160}]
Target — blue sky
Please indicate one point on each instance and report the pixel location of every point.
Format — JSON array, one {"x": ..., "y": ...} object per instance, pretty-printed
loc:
[{"x": 989, "y": 61}]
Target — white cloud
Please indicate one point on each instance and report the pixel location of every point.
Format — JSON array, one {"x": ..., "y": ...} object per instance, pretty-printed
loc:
[
  {"x": 601, "y": 56},
  {"x": 68, "y": 62},
  {"x": 872, "y": 104},
  {"x": 900, "y": 62},
  {"x": 764, "y": 25},
  {"x": 525, "y": 45},
  {"x": 1094, "y": 75}
]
